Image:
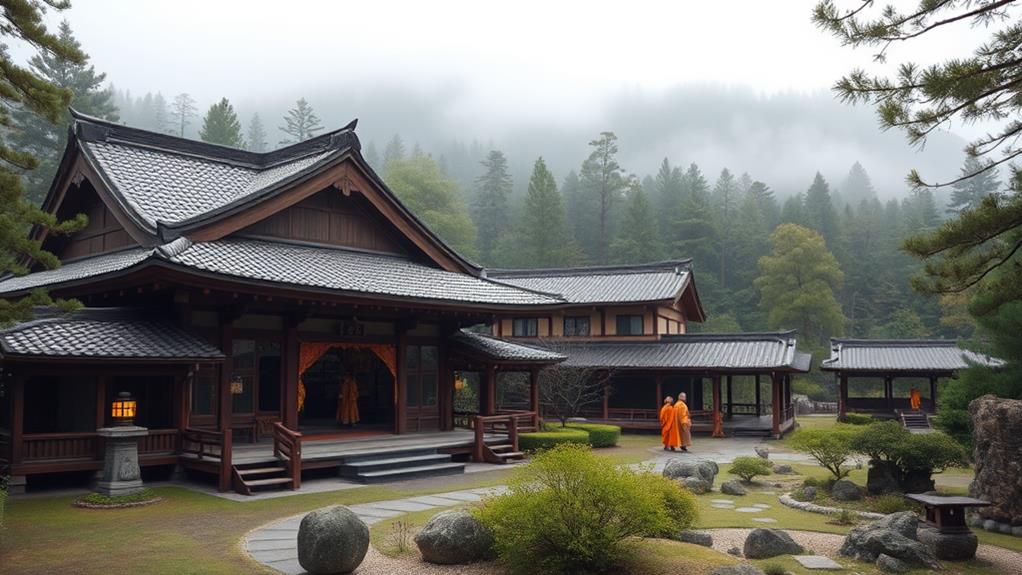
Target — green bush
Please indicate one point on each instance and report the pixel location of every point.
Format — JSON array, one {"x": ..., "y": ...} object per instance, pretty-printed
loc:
[
  {"x": 570, "y": 511},
  {"x": 929, "y": 452},
  {"x": 831, "y": 448},
  {"x": 774, "y": 569},
  {"x": 748, "y": 467},
  {"x": 810, "y": 482},
  {"x": 881, "y": 440},
  {"x": 551, "y": 437},
  {"x": 856, "y": 419},
  {"x": 600, "y": 435},
  {"x": 914, "y": 455},
  {"x": 892, "y": 503}
]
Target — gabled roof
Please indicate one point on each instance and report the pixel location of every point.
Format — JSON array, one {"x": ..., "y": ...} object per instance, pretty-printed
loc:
[
  {"x": 103, "y": 333},
  {"x": 642, "y": 283},
  {"x": 489, "y": 348},
  {"x": 902, "y": 355},
  {"x": 345, "y": 271},
  {"x": 720, "y": 352}
]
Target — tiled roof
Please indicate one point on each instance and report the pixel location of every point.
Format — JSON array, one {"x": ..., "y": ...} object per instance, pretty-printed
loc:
[
  {"x": 107, "y": 333},
  {"x": 608, "y": 284},
  {"x": 343, "y": 270},
  {"x": 494, "y": 349},
  {"x": 879, "y": 355},
  {"x": 765, "y": 351}
]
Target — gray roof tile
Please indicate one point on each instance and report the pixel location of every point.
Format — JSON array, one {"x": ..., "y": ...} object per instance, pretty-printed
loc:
[
  {"x": 881, "y": 355},
  {"x": 609, "y": 284},
  {"x": 107, "y": 333},
  {"x": 76, "y": 270},
  {"x": 495, "y": 349}
]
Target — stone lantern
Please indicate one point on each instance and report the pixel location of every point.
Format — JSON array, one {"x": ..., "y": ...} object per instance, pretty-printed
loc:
[{"x": 121, "y": 475}]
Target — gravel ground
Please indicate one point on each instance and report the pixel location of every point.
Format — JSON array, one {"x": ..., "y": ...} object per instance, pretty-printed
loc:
[{"x": 377, "y": 563}]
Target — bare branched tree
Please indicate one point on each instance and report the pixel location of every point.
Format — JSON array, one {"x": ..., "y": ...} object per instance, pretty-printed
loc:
[{"x": 565, "y": 391}]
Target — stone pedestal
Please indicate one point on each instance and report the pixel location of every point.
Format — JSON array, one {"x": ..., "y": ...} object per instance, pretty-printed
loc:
[
  {"x": 949, "y": 546},
  {"x": 121, "y": 474}
]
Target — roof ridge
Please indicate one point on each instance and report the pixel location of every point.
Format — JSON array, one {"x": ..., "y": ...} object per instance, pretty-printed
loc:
[
  {"x": 744, "y": 336},
  {"x": 866, "y": 342},
  {"x": 663, "y": 265}
]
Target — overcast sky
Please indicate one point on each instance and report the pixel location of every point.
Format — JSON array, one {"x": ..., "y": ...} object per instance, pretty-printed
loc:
[{"x": 509, "y": 71}]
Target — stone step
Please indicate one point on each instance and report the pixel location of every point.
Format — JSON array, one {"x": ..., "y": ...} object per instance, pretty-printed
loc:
[
  {"x": 246, "y": 471},
  {"x": 406, "y": 473},
  {"x": 511, "y": 454},
  {"x": 267, "y": 481},
  {"x": 387, "y": 454},
  {"x": 366, "y": 465}
]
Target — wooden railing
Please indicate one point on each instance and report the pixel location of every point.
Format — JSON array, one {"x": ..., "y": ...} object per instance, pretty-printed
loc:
[
  {"x": 746, "y": 408},
  {"x": 503, "y": 424},
  {"x": 212, "y": 445},
  {"x": 287, "y": 445},
  {"x": 51, "y": 446},
  {"x": 159, "y": 441}
]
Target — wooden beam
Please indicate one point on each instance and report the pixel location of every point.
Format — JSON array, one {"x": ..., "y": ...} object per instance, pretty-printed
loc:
[
  {"x": 606, "y": 398},
  {"x": 401, "y": 385},
  {"x": 291, "y": 376},
  {"x": 842, "y": 398},
  {"x": 534, "y": 391},
  {"x": 933, "y": 394},
  {"x": 659, "y": 377},
  {"x": 759, "y": 410},
  {"x": 17, "y": 417},
  {"x": 730, "y": 407},
  {"x": 775, "y": 395},
  {"x": 226, "y": 411},
  {"x": 718, "y": 425}
]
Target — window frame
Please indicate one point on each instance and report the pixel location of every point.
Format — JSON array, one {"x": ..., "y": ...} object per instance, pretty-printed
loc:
[
  {"x": 630, "y": 318},
  {"x": 574, "y": 321},
  {"x": 527, "y": 322}
]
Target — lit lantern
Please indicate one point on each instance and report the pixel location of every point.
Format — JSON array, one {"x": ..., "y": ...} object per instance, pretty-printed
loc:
[
  {"x": 237, "y": 386},
  {"x": 122, "y": 410},
  {"x": 459, "y": 382}
]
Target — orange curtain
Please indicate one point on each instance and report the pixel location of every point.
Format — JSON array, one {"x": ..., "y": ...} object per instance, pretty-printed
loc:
[{"x": 310, "y": 352}]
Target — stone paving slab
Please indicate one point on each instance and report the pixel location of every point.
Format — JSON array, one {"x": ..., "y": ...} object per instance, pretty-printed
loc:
[
  {"x": 276, "y": 555},
  {"x": 748, "y": 509},
  {"x": 722, "y": 501},
  {"x": 464, "y": 496},
  {"x": 274, "y": 545},
  {"x": 817, "y": 562},
  {"x": 722, "y": 505},
  {"x": 365, "y": 509},
  {"x": 761, "y": 505},
  {"x": 402, "y": 505},
  {"x": 435, "y": 501},
  {"x": 764, "y": 520}
]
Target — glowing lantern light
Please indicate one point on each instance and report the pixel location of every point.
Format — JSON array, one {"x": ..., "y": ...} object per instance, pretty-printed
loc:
[{"x": 123, "y": 408}]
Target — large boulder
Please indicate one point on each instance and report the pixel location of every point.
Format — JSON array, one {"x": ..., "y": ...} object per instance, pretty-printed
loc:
[
  {"x": 695, "y": 537},
  {"x": 454, "y": 538},
  {"x": 705, "y": 470},
  {"x": 764, "y": 543},
  {"x": 882, "y": 478},
  {"x": 738, "y": 569},
  {"x": 889, "y": 564},
  {"x": 332, "y": 540},
  {"x": 997, "y": 442},
  {"x": 949, "y": 546},
  {"x": 845, "y": 490},
  {"x": 784, "y": 469},
  {"x": 894, "y": 535},
  {"x": 696, "y": 485},
  {"x": 732, "y": 487}
]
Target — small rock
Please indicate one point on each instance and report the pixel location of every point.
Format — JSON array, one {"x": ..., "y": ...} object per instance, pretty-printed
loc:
[
  {"x": 705, "y": 470},
  {"x": 808, "y": 493},
  {"x": 783, "y": 469},
  {"x": 845, "y": 490},
  {"x": 332, "y": 540},
  {"x": 778, "y": 485},
  {"x": 1004, "y": 528},
  {"x": 763, "y": 543},
  {"x": 889, "y": 564},
  {"x": 696, "y": 537},
  {"x": 763, "y": 451},
  {"x": 732, "y": 487},
  {"x": 735, "y": 551},
  {"x": 1017, "y": 531},
  {"x": 454, "y": 538},
  {"x": 739, "y": 569},
  {"x": 695, "y": 485}
]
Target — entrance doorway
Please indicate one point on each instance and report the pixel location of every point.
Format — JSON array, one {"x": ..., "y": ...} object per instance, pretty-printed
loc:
[{"x": 320, "y": 412}]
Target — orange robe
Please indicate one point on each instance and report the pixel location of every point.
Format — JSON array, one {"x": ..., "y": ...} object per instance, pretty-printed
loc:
[
  {"x": 669, "y": 427},
  {"x": 347, "y": 401},
  {"x": 684, "y": 422},
  {"x": 915, "y": 399}
]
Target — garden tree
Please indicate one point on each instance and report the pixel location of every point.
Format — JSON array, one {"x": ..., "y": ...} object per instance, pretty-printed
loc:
[
  {"x": 565, "y": 391},
  {"x": 668, "y": 189},
  {"x": 433, "y": 198},
  {"x": 797, "y": 283},
  {"x": 967, "y": 193},
  {"x": 830, "y": 448},
  {"x": 182, "y": 111},
  {"x": 372, "y": 157},
  {"x": 43, "y": 139},
  {"x": 748, "y": 467},
  {"x": 766, "y": 203},
  {"x": 542, "y": 226},
  {"x": 637, "y": 240},
  {"x": 818, "y": 210},
  {"x": 725, "y": 209},
  {"x": 300, "y": 123},
  {"x": 394, "y": 151},
  {"x": 490, "y": 210},
  {"x": 695, "y": 232},
  {"x": 857, "y": 187},
  {"x": 793, "y": 211},
  {"x": 417, "y": 150},
  {"x": 25, "y": 89},
  {"x": 256, "y": 139},
  {"x": 221, "y": 125},
  {"x": 576, "y": 210},
  {"x": 603, "y": 183},
  {"x": 904, "y": 324}
]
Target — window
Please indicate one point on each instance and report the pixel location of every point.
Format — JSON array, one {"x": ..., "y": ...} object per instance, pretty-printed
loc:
[
  {"x": 204, "y": 390},
  {"x": 525, "y": 327},
  {"x": 269, "y": 376},
  {"x": 576, "y": 326},
  {"x": 422, "y": 375},
  {"x": 629, "y": 325}
]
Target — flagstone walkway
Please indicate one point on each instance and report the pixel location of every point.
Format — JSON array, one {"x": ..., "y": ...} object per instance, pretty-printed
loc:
[{"x": 276, "y": 544}]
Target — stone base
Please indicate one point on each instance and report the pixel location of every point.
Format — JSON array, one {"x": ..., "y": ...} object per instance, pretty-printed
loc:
[
  {"x": 121, "y": 474},
  {"x": 16, "y": 484},
  {"x": 118, "y": 488},
  {"x": 949, "y": 546}
]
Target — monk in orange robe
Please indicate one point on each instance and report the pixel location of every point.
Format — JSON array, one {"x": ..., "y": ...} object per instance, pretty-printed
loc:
[
  {"x": 914, "y": 398},
  {"x": 347, "y": 401},
  {"x": 669, "y": 425},
  {"x": 681, "y": 415}
]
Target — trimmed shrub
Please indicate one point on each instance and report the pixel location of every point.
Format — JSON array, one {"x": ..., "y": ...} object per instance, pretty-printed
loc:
[
  {"x": 748, "y": 467},
  {"x": 552, "y": 437},
  {"x": 570, "y": 511},
  {"x": 830, "y": 448},
  {"x": 810, "y": 482},
  {"x": 891, "y": 503},
  {"x": 856, "y": 419},
  {"x": 774, "y": 569},
  {"x": 600, "y": 435}
]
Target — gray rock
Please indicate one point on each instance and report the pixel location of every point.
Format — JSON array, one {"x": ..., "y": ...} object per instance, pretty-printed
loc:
[
  {"x": 882, "y": 478},
  {"x": 1004, "y": 528},
  {"x": 997, "y": 442},
  {"x": 332, "y": 540},
  {"x": 696, "y": 485},
  {"x": 949, "y": 546},
  {"x": 454, "y": 538},
  {"x": 783, "y": 469},
  {"x": 809, "y": 493},
  {"x": 763, "y": 543},
  {"x": 739, "y": 569},
  {"x": 893, "y": 535},
  {"x": 735, "y": 551},
  {"x": 845, "y": 490},
  {"x": 677, "y": 469},
  {"x": 1017, "y": 531},
  {"x": 990, "y": 525},
  {"x": 763, "y": 451},
  {"x": 889, "y": 564},
  {"x": 695, "y": 537},
  {"x": 732, "y": 487}
]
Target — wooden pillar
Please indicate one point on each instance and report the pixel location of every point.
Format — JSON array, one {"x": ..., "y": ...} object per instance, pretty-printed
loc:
[
  {"x": 606, "y": 398},
  {"x": 730, "y": 407},
  {"x": 775, "y": 399},
  {"x": 226, "y": 373},
  {"x": 400, "y": 385},
  {"x": 787, "y": 392},
  {"x": 291, "y": 350},
  {"x": 534, "y": 391},
  {"x": 718, "y": 425},
  {"x": 889, "y": 392},
  {"x": 182, "y": 385},
  {"x": 488, "y": 391},
  {"x": 101, "y": 383},
  {"x": 933, "y": 394},
  {"x": 759, "y": 409},
  {"x": 445, "y": 388},
  {"x": 842, "y": 395},
  {"x": 659, "y": 377}
]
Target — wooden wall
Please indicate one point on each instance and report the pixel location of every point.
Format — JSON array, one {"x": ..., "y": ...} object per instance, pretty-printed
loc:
[
  {"x": 330, "y": 217},
  {"x": 602, "y": 321},
  {"x": 103, "y": 234}
]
